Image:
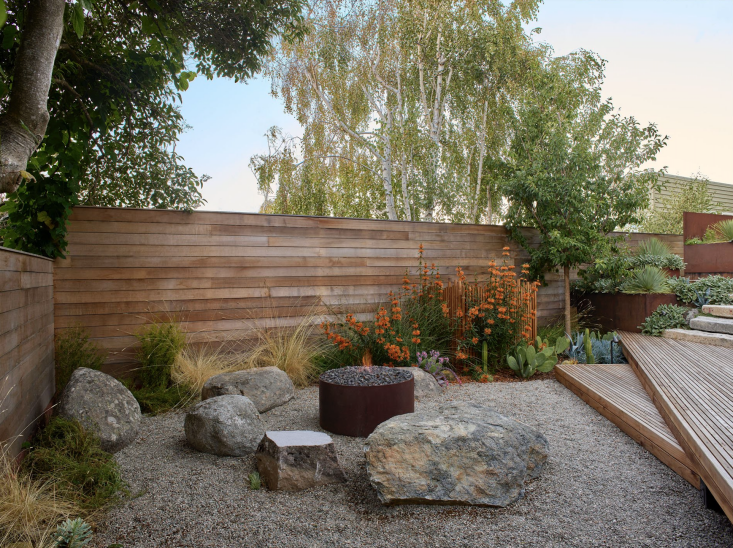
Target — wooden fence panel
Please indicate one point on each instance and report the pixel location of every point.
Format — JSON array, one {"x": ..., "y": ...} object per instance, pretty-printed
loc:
[
  {"x": 219, "y": 273},
  {"x": 26, "y": 344}
]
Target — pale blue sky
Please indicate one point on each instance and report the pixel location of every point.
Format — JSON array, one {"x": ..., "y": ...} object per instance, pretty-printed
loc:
[{"x": 669, "y": 61}]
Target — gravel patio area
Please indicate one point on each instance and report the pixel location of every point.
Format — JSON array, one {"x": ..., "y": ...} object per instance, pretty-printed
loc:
[{"x": 599, "y": 488}]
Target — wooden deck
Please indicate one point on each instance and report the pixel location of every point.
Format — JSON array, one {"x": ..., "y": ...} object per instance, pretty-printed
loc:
[
  {"x": 691, "y": 385},
  {"x": 617, "y": 394}
]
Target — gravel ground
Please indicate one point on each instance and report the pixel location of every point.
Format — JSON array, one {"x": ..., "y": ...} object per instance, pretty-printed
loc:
[{"x": 599, "y": 489}]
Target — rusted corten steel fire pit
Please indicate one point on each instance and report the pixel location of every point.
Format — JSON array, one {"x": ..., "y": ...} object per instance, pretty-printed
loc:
[{"x": 353, "y": 401}]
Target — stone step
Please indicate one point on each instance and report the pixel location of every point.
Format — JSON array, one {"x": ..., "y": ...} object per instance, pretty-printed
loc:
[
  {"x": 713, "y": 325},
  {"x": 719, "y": 310},
  {"x": 703, "y": 337}
]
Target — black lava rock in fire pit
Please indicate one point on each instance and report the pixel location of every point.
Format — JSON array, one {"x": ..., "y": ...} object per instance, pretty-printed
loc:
[{"x": 366, "y": 376}]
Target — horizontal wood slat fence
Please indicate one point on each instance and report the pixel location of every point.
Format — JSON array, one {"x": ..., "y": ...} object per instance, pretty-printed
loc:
[
  {"x": 26, "y": 344},
  {"x": 220, "y": 272}
]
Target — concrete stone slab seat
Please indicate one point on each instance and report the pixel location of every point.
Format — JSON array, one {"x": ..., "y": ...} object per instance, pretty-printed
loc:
[{"x": 298, "y": 459}]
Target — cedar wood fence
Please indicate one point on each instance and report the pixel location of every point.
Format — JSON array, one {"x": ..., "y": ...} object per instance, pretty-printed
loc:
[{"x": 221, "y": 274}]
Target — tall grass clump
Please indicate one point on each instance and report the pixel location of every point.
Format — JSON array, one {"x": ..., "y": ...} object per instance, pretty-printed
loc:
[
  {"x": 73, "y": 349},
  {"x": 293, "y": 349},
  {"x": 650, "y": 279},
  {"x": 71, "y": 457},
  {"x": 160, "y": 345},
  {"x": 30, "y": 509},
  {"x": 723, "y": 231},
  {"x": 653, "y": 247},
  {"x": 197, "y": 364}
]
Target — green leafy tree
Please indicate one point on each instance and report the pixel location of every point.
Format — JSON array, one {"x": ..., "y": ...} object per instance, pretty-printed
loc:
[
  {"x": 573, "y": 171},
  {"x": 401, "y": 102},
  {"x": 89, "y": 100},
  {"x": 666, "y": 217}
]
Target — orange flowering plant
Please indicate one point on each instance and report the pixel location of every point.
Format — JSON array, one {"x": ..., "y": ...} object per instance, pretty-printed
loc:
[
  {"x": 498, "y": 316},
  {"x": 415, "y": 319}
]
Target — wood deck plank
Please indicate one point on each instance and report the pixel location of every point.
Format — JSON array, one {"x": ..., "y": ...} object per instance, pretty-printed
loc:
[
  {"x": 691, "y": 385},
  {"x": 616, "y": 393}
]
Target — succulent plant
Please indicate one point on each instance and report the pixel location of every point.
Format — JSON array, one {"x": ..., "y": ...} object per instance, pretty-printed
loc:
[
  {"x": 73, "y": 534},
  {"x": 528, "y": 360}
]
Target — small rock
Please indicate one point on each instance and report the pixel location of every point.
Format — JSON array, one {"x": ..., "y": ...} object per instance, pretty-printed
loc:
[
  {"x": 295, "y": 460},
  {"x": 224, "y": 425},
  {"x": 464, "y": 454},
  {"x": 425, "y": 383},
  {"x": 102, "y": 404},
  {"x": 691, "y": 315},
  {"x": 266, "y": 387}
]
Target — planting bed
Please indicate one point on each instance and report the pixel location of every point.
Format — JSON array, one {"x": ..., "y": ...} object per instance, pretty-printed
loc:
[{"x": 599, "y": 489}]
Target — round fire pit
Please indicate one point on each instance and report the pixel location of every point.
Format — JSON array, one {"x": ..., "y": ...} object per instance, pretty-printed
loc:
[{"x": 353, "y": 401}]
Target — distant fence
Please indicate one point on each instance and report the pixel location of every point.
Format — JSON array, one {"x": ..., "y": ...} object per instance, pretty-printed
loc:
[
  {"x": 26, "y": 343},
  {"x": 218, "y": 272}
]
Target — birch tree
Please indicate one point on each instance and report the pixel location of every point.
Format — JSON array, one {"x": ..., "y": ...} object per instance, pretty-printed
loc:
[{"x": 392, "y": 89}]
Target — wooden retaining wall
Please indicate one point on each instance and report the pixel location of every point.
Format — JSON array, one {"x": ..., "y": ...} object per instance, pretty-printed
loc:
[
  {"x": 222, "y": 273},
  {"x": 26, "y": 343}
]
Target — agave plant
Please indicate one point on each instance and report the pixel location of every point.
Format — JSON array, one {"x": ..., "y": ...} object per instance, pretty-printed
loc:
[
  {"x": 650, "y": 279},
  {"x": 723, "y": 230},
  {"x": 654, "y": 247}
]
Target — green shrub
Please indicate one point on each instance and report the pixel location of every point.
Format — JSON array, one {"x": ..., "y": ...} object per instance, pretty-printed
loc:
[
  {"x": 74, "y": 350},
  {"x": 73, "y": 534},
  {"x": 720, "y": 289},
  {"x": 723, "y": 230},
  {"x": 654, "y": 247},
  {"x": 649, "y": 279},
  {"x": 70, "y": 456},
  {"x": 160, "y": 344},
  {"x": 666, "y": 316}
]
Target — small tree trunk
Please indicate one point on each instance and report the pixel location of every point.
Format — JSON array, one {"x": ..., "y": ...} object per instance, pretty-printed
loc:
[
  {"x": 568, "y": 324},
  {"x": 24, "y": 122}
]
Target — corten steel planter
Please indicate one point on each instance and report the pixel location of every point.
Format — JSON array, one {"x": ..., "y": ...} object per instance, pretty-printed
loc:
[
  {"x": 623, "y": 312},
  {"x": 709, "y": 258},
  {"x": 357, "y": 410}
]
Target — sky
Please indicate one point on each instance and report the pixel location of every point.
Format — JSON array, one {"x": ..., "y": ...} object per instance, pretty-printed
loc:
[{"x": 669, "y": 62}]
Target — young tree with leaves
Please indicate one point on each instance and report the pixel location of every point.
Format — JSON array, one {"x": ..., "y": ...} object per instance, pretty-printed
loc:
[
  {"x": 574, "y": 169},
  {"x": 667, "y": 215},
  {"x": 89, "y": 95}
]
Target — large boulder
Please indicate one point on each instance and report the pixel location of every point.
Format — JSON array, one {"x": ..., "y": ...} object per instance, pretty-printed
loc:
[
  {"x": 425, "y": 383},
  {"x": 464, "y": 454},
  {"x": 267, "y": 387},
  {"x": 229, "y": 426},
  {"x": 102, "y": 404},
  {"x": 298, "y": 459}
]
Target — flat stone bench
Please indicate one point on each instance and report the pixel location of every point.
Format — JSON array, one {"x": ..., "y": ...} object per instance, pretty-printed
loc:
[{"x": 298, "y": 459}]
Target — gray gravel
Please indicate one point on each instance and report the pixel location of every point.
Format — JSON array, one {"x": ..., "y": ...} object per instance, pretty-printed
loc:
[{"x": 599, "y": 489}]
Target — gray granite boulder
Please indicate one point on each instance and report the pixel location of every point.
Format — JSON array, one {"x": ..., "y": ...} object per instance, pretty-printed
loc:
[
  {"x": 298, "y": 459},
  {"x": 463, "y": 454},
  {"x": 267, "y": 387},
  {"x": 224, "y": 425},
  {"x": 102, "y": 404},
  {"x": 425, "y": 383}
]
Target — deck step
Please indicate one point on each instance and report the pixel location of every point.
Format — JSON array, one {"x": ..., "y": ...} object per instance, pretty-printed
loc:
[
  {"x": 617, "y": 394},
  {"x": 702, "y": 337},
  {"x": 719, "y": 310},
  {"x": 713, "y": 325},
  {"x": 691, "y": 385}
]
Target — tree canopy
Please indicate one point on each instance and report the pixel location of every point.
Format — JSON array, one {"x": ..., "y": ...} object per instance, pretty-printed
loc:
[
  {"x": 574, "y": 166},
  {"x": 113, "y": 105},
  {"x": 402, "y": 102}
]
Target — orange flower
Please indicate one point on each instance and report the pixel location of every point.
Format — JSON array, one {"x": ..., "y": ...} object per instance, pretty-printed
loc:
[
  {"x": 487, "y": 331},
  {"x": 474, "y": 340}
]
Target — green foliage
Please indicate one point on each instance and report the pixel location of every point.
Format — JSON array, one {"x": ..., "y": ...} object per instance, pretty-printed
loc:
[
  {"x": 73, "y": 349},
  {"x": 528, "y": 360},
  {"x": 717, "y": 289},
  {"x": 574, "y": 167},
  {"x": 160, "y": 399},
  {"x": 649, "y": 279},
  {"x": 708, "y": 238},
  {"x": 255, "y": 482},
  {"x": 723, "y": 230},
  {"x": 589, "y": 348},
  {"x": 115, "y": 119},
  {"x": 666, "y": 316},
  {"x": 666, "y": 217},
  {"x": 654, "y": 247},
  {"x": 73, "y": 534},
  {"x": 160, "y": 343},
  {"x": 71, "y": 456}
]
